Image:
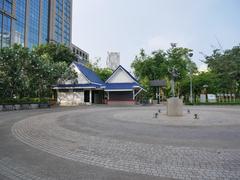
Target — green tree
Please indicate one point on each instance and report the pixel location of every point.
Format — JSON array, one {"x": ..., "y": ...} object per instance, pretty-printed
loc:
[
  {"x": 43, "y": 73},
  {"x": 178, "y": 57},
  {"x": 158, "y": 64},
  {"x": 150, "y": 67},
  {"x": 26, "y": 73},
  {"x": 199, "y": 80},
  {"x": 226, "y": 65},
  {"x": 56, "y": 52},
  {"x": 103, "y": 73},
  {"x": 13, "y": 62}
]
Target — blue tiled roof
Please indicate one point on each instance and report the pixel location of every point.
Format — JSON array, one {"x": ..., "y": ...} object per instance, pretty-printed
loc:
[
  {"x": 90, "y": 75},
  {"x": 96, "y": 82},
  {"x": 78, "y": 85},
  {"x": 122, "y": 86}
]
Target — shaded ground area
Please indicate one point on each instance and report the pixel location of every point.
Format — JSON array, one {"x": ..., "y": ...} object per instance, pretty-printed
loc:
[{"x": 109, "y": 143}]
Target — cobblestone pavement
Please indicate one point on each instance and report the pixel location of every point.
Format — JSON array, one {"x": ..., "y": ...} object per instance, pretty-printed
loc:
[
  {"x": 13, "y": 171},
  {"x": 111, "y": 140}
]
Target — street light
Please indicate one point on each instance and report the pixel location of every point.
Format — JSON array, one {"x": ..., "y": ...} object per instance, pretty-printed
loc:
[
  {"x": 205, "y": 86},
  {"x": 190, "y": 69}
]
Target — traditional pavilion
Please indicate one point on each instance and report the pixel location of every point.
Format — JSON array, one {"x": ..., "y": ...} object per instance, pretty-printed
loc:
[
  {"x": 87, "y": 88},
  {"x": 120, "y": 88}
]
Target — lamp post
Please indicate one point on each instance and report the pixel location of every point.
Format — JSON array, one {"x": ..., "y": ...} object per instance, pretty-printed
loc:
[
  {"x": 205, "y": 89},
  {"x": 190, "y": 69}
]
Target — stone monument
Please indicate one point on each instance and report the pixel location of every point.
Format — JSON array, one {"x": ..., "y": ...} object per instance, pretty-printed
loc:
[{"x": 174, "y": 104}]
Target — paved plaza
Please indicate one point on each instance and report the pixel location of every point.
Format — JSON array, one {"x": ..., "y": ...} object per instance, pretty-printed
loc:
[{"x": 101, "y": 142}]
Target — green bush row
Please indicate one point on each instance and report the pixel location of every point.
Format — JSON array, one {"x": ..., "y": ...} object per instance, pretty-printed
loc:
[
  {"x": 25, "y": 100},
  {"x": 216, "y": 103}
]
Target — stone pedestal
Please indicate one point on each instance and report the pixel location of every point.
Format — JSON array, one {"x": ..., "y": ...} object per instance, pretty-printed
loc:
[{"x": 174, "y": 106}]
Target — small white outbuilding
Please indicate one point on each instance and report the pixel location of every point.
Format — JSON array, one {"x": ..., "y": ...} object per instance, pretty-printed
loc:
[{"x": 120, "y": 88}]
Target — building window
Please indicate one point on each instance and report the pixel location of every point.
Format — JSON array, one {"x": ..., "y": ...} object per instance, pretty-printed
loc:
[
  {"x": 1, "y": 29},
  {"x": 1, "y": 4},
  {"x": 33, "y": 27},
  {"x": 6, "y": 31},
  {"x": 20, "y": 22},
  {"x": 5, "y": 23},
  {"x": 8, "y": 6},
  {"x": 44, "y": 22}
]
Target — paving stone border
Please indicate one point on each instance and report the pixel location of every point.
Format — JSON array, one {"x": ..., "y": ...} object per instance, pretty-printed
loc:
[{"x": 43, "y": 132}]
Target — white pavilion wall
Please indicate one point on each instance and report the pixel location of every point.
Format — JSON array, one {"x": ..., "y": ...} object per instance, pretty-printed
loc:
[{"x": 70, "y": 98}]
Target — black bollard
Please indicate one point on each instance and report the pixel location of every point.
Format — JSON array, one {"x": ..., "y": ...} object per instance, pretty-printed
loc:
[
  {"x": 155, "y": 115},
  {"x": 196, "y": 116},
  {"x": 188, "y": 111},
  {"x": 159, "y": 110}
]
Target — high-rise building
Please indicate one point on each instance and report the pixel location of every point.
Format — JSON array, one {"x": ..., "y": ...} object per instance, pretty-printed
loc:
[
  {"x": 60, "y": 28},
  {"x": 113, "y": 60},
  {"x": 34, "y": 22},
  {"x": 7, "y": 16},
  {"x": 81, "y": 55}
]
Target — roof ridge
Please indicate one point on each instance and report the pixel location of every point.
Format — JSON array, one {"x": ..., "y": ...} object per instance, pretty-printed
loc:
[
  {"x": 120, "y": 66},
  {"x": 89, "y": 73}
]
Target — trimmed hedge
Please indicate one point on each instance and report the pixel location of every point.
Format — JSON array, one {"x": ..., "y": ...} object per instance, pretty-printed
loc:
[
  {"x": 24, "y": 101},
  {"x": 237, "y": 102}
]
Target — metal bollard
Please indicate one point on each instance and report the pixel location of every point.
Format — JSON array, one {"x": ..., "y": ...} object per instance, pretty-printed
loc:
[{"x": 196, "y": 116}]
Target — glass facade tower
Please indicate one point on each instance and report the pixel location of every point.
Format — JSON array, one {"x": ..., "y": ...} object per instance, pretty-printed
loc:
[
  {"x": 6, "y": 21},
  {"x": 34, "y": 22},
  {"x": 61, "y": 14},
  {"x": 20, "y": 22},
  {"x": 44, "y": 21}
]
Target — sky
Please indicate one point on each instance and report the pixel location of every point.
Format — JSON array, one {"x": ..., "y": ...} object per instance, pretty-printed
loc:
[{"x": 126, "y": 26}]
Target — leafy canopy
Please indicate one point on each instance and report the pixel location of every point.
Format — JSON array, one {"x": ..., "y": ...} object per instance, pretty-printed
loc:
[
  {"x": 55, "y": 52},
  {"x": 226, "y": 65},
  {"x": 31, "y": 73},
  {"x": 157, "y": 65},
  {"x": 103, "y": 73}
]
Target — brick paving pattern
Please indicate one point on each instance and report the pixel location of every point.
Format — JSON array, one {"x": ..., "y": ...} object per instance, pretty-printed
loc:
[{"x": 44, "y": 132}]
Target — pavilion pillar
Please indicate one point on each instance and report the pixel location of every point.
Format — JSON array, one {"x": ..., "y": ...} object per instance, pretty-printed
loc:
[
  {"x": 90, "y": 96},
  {"x": 133, "y": 94}
]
